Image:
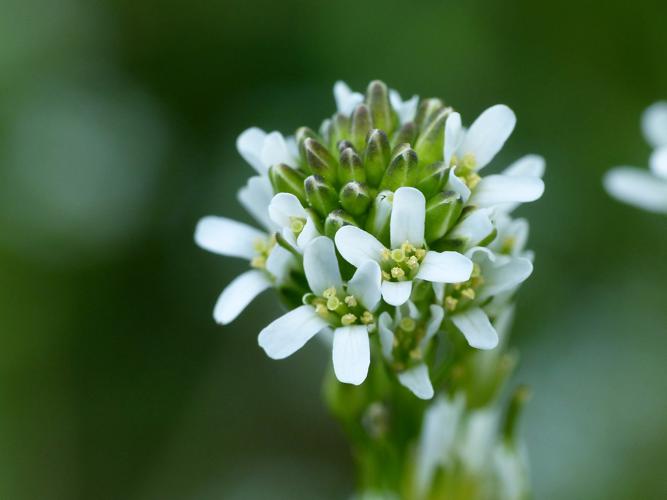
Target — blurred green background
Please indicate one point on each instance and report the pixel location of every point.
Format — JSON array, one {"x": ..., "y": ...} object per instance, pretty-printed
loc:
[{"x": 117, "y": 127}]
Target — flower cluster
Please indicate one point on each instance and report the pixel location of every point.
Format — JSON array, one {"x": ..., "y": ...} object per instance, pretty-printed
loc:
[
  {"x": 638, "y": 187},
  {"x": 381, "y": 233}
]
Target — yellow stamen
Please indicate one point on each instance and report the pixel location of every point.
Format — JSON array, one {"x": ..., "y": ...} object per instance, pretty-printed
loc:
[
  {"x": 367, "y": 317},
  {"x": 398, "y": 255},
  {"x": 397, "y": 273},
  {"x": 407, "y": 324},
  {"x": 333, "y": 303},
  {"x": 351, "y": 301},
  {"x": 348, "y": 319},
  {"x": 451, "y": 303}
]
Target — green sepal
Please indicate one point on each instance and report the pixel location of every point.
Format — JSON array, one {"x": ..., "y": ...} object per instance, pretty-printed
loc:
[
  {"x": 379, "y": 217},
  {"x": 432, "y": 178},
  {"x": 285, "y": 179},
  {"x": 376, "y": 156},
  {"x": 377, "y": 98},
  {"x": 406, "y": 134},
  {"x": 339, "y": 129},
  {"x": 320, "y": 160},
  {"x": 431, "y": 141},
  {"x": 428, "y": 108},
  {"x": 354, "y": 198},
  {"x": 320, "y": 195},
  {"x": 351, "y": 167},
  {"x": 402, "y": 169},
  {"x": 442, "y": 213},
  {"x": 362, "y": 124},
  {"x": 335, "y": 220}
]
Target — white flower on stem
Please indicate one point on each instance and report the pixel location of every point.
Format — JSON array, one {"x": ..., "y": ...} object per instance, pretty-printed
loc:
[
  {"x": 270, "y": 263},
  {"x": 347, "y": 308},
  {"x": 263, "y": 150},
  {"x": 476, "y": 227},
  {"x": 639, "y": 187},
  {"x": 407, "y": 321},
  {"x": 493, "y": 275},
  {"x": 297, "y": 226},
  {"x": 408, "y": 259},
  {"x": 346, "y": 100},
  {"x": 406, "y": 110}
]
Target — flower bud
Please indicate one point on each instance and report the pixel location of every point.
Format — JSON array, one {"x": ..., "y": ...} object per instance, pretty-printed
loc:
[
  {"x": 319, "y": 159},
  {"x": 362, "y": 123},
  {"x": 406, "y": 134},
  {"x": 442, "y": 213},
  {"x": 376, "y": 156},
  {"x": 285, "y": 179},
  {"x": 354, "y": 198},
  {"x": 339, "y": 129},
  {"x": 428, "y": 108},
  {"x": 519, "y": 398},
  {"x": 335, "y": 220},
  {"x": 380, "y": 107},
  {"x": 431, "y": 140},
  {"x": 301, "y": 135},
  {"x": 432, "y": 178},
  {"x": 378, "y": 219},
  {"x": 321, "y": 196},
  {"x": 351, "y": 167},
  {"x": 402, "y": 169}
]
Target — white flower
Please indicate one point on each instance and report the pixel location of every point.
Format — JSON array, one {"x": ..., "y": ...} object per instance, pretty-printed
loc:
[
  {"x": 408, "y": 320},
  {"x": 406, "y": 110},
  {"x": 638, "y": 187},
  {"x": 493, "y": 275},
  {"x": 262, "y": 150},
  {"x": 270, "y": 262},
  {"x": 348, "y": 308},
  {"x": 298, "y": 227},
  {"x": 346, "y": 100},
  {"x": 407, "y": 259}
]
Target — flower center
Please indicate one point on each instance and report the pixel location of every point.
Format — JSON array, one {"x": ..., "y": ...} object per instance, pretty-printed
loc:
[
  {"x": 342, "y": 309},
  {"x": 466, "y": 169},
  {"x": 407, "y": 337},
  {"x": 296, "y": 225},
  {"x": 461, "y": 294},
  {"x": 401, "y": 264},
  {"x": 262, "y": 247}
]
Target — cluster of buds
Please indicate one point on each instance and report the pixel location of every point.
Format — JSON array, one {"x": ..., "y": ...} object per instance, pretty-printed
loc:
[{"x": 383, "y": 238}]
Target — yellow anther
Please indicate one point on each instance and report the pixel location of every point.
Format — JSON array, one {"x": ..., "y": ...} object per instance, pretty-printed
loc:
[
  {"x": 321, "y": 309},
  {"x": 348, "y": 319},
  {"x": 451, "y": 303},
  {"x": 477, "y": 281},
  {"x": 329, "y": 292},
  {"x": 297, "y": 224},
  {"x": 469, "y": 161},
  {"x": 367, "y": 317},
  {"x": 333, "y": 303},
  {"x": 413, "y": 263},
  {"x": 420, "y": 253},
  {"x": 407, "y": 324},
  {"x": 407, "y": 247},
  {"x": 397, "y": 273},
  {"x": 468, "y": 293},
  {"x": 398, "y": 255},
  {"x": 416, "y": 354},
  {"x": 385, "y": 254},
  {"x": 351, "y": 301},
  {"x": 508, "y": 245},
  {"x": 476, "y": 270},
  {"x": 454, "y": 161},
  {"x": 472, "y": 180},
  {"x": 386, "y": 275},
  {"x": 258, "y": 262},
  {"x": 260, "y": 245}
]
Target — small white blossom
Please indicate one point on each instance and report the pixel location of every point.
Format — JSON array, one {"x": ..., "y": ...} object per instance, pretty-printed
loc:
[{"x": 262, "y": 150}]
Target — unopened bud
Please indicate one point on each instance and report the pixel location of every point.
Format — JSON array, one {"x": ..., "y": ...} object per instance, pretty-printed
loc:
[
  {"x": 406, "y": 134},
  {"x": 285, "y": 179},
  {"x": 335, "y": 220},
  {"x": 442, "y": 213},
  {"x": 339, "y": 129},
  {"x": 378, "y": 219},
  {"x": 432, "y": 178},
  {"x": 351, "y": 167},
  {"x": 320, "y": 195},
  {"x": 431, "y": 140},
  {"x": 362, "y": 123},
  {"x": 301, "y": 135},
  {"x": 428, "y": 108},
  {"x": 319, "y": 159},
  {"x": 402, "y": 169},
  {"x": 376, "y": 156},
  {"x": 379, "y": 106},
  {"x": 354, "y": 198}
]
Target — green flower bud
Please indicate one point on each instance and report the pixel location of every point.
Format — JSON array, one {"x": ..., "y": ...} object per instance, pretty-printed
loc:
[
  {"x": 301, "y": 135},
  {"x": 339, "y": 129},
  {"x": 432, "y": 178},
  {"x": 362, "y": 123},
  {"x": 321, "y": 196},
  {"x": 519, "y": 398},
  {"x": 380, "y": 107},
  {"x": 319, "y": 159},
  {"x": 442, "y": 213},
  {"x": 431, "y": 140},
  {"x": 354, "y": 198},
  {"x": 378, "y": 219},
  {"x": 406, "y": 134},
  {"x": 402, "y": 169},
  {"x": 376, "y": 156},
  {"x": 351, "y": 167},
  {"x": 335, "y": 220},
  {"x": 343, "y": 145},
  {"x": 285, "y": 179},
  {"x": 428, "y": 108}
]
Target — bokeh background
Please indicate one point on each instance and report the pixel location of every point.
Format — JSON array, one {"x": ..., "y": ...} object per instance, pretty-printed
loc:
[{"x": 117, "y": 127}]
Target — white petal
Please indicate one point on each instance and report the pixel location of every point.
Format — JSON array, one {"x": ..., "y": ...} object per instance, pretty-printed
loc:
[
  {"x": 321, "y": 265},
  {"x": 406, "y": 110},
  {"x": 283, "y": 207},
  {"x": 498, "y": 189},
  {"x": 407, "y": 217},
  {"x": 249, "y": 145},
  {"x": 275, "y": 150},
  {"x": 290, "y": 332},
  {"x": 512, "y": 232},
  {"x": 654, "y": 124},
  {"x": 357, "y": 246},
  {"x": 227, "y": 237},
  {"x": 439, "y": 290},
  {"x": 351, "y": 354},
  {"x": 386, "y": 329},
  {"x": 346, "y": 100},
  {"x": 255, "y": 197},
  {"x": 445, "y": 267},
  {"x": 279, "y": 263},
  {"x": 433, "y": 324},
  {"x": 307, "y": 234},
  {"x": 238, "y": 294},
  {"x": 475, "y": 228},
  {"x": 454, "y": 183},
  {"x": 530, "y": 165},
  {"x": 416, "y": 379},
  {"x": 396, "y": 293},
  {"x": 637, "y": 187},
  {"x": 505, "y": 276},
  {"x": 658, "y": 162},
  {"x": 365, "y": 284},
  {"x": 488, "y": 134},
  {"x": 454, "y": 135},
  {"x": 476, "y": 328}
]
